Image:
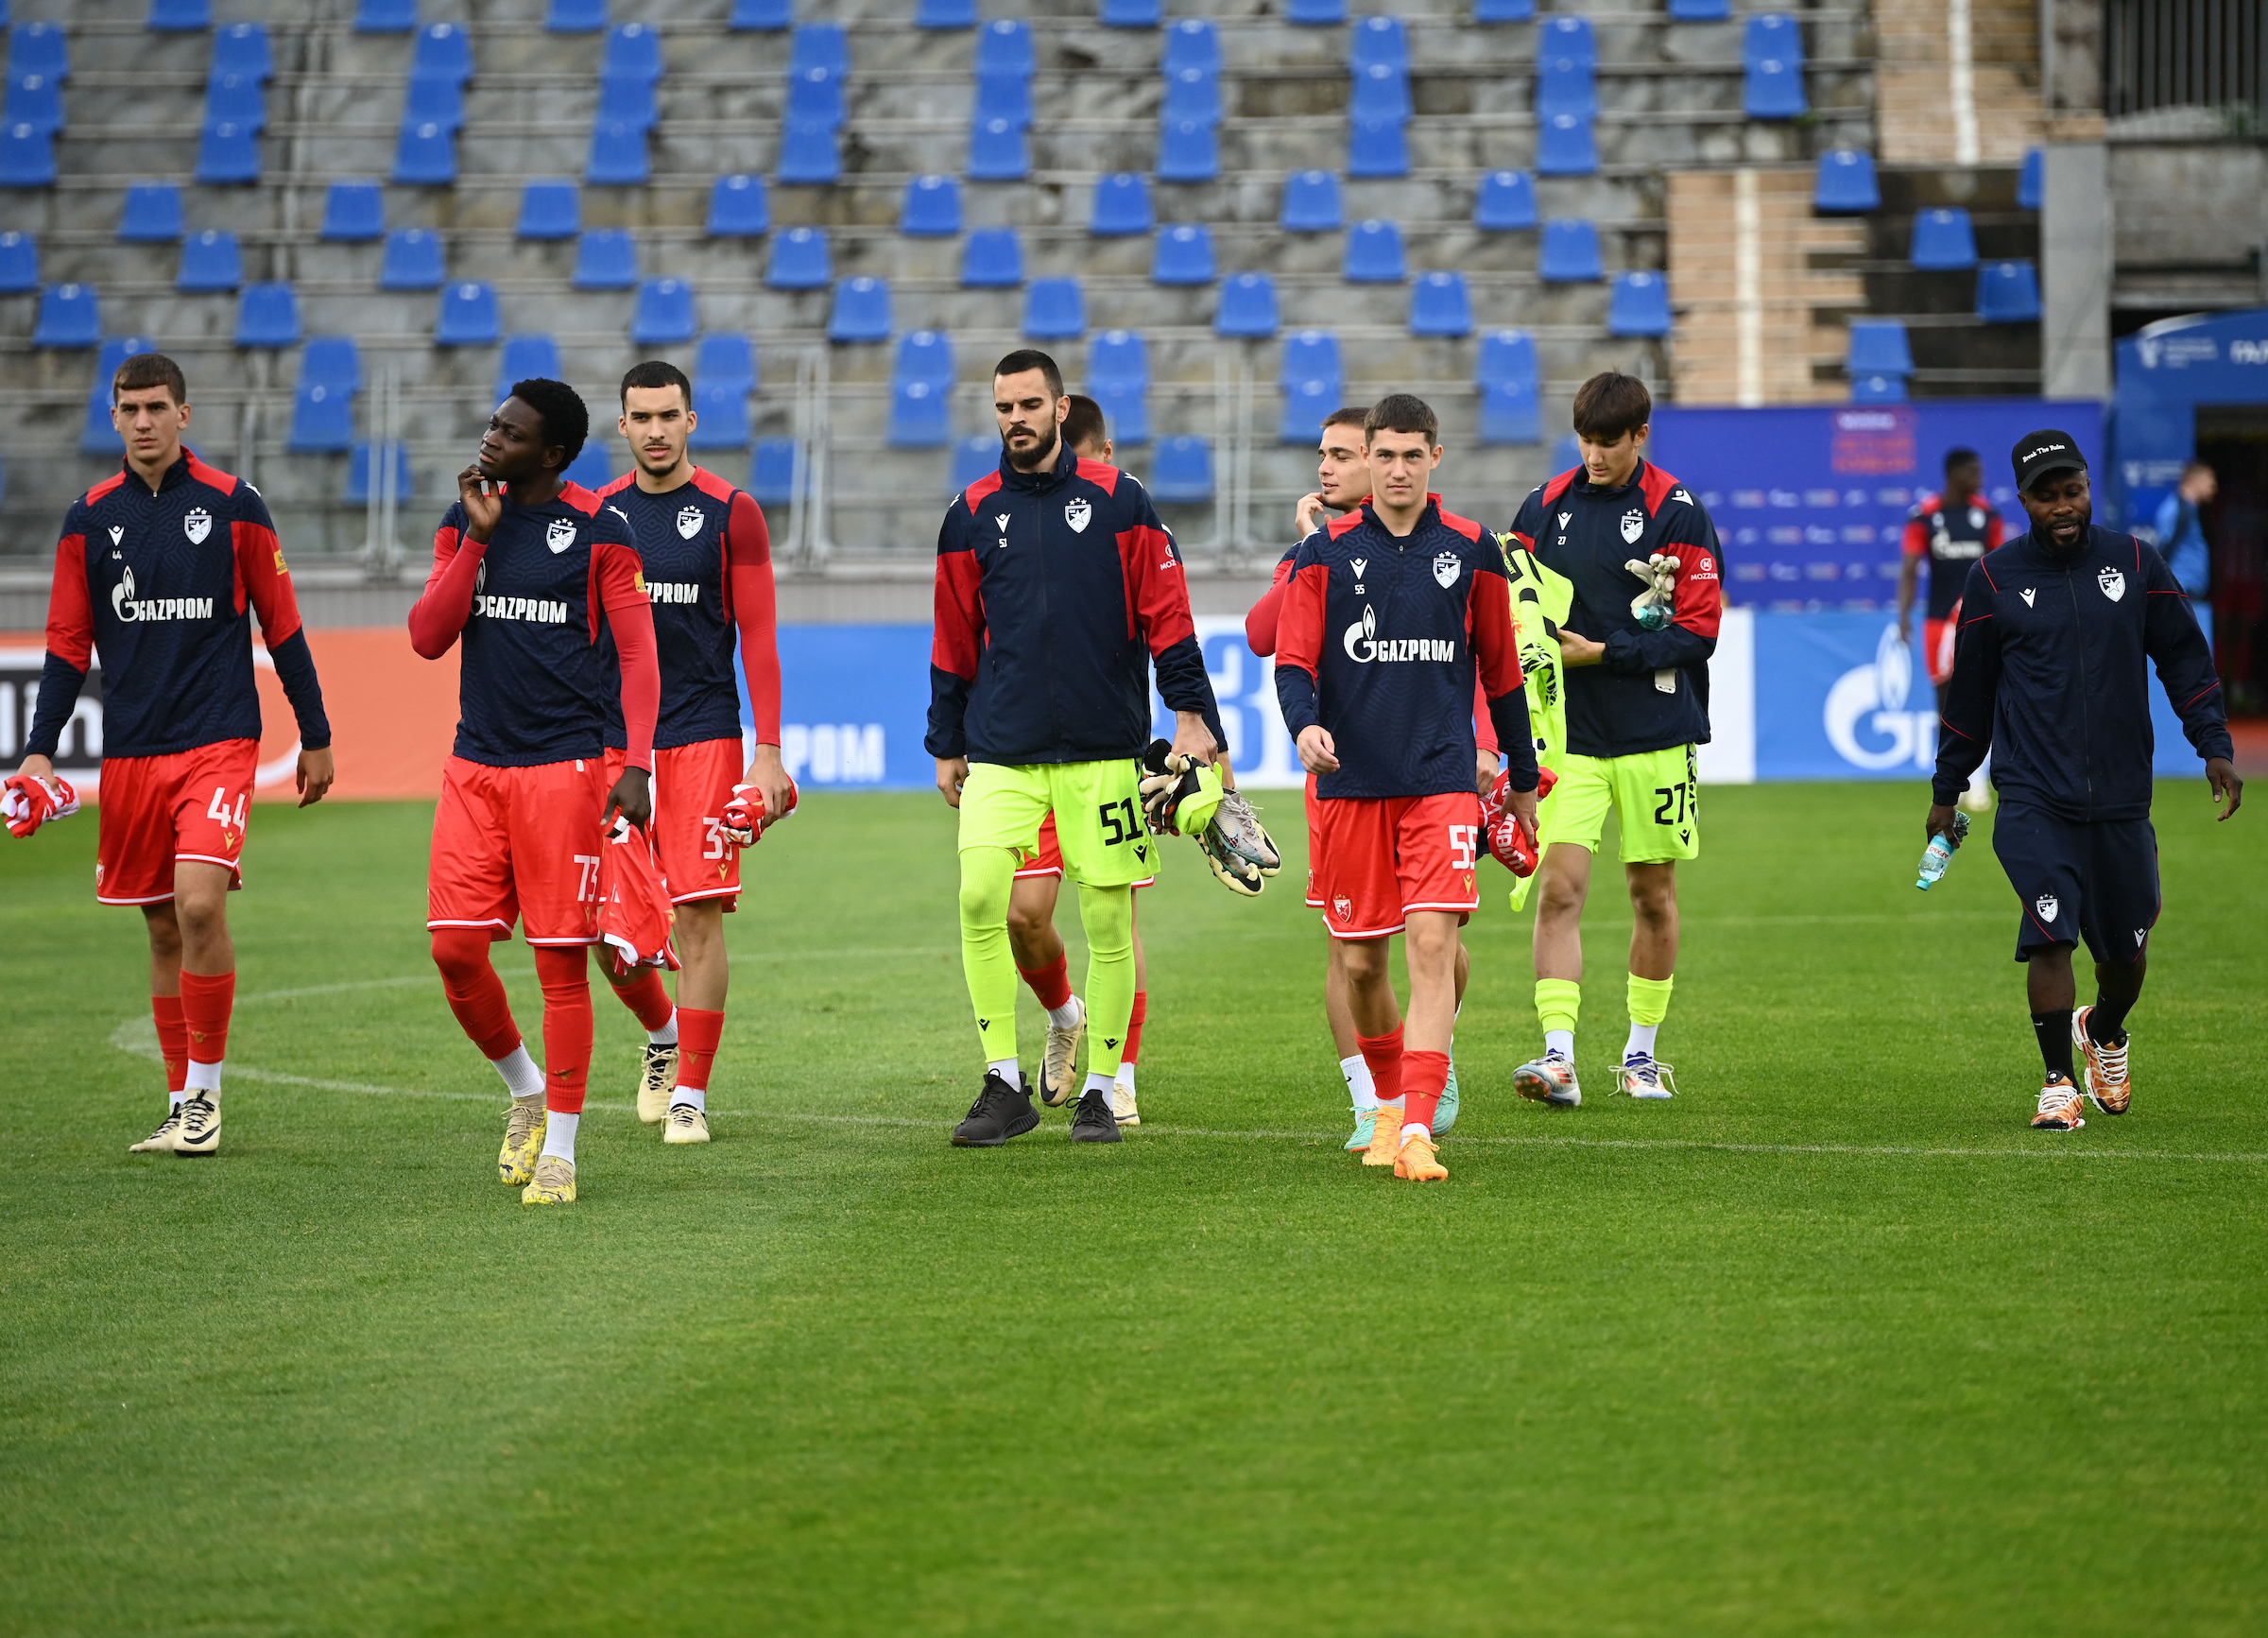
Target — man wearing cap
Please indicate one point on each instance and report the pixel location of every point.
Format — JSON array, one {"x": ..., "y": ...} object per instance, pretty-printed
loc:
[{"x": 2050, "y": 675}]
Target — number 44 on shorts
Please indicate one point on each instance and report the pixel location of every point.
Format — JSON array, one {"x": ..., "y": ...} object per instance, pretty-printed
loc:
[{"x": 219, "y": 807}]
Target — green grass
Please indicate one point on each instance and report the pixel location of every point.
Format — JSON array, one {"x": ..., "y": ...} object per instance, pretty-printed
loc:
[{"x": 1831, "y": 1343}]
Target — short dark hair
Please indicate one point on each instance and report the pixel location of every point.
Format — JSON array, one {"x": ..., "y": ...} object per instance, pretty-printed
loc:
[
  {"x": 1961, "y": 454},
  {"x": 1026, "y": 358},
  {"x": 1402, "y": 412},
  {"x": 1084, "y": 424},
  {"x": 1610, "y": 405},
  {"x": 1347, "y": 415},
  {"x": 656, "y": 372},
  {"x": 566, "y": 418},
  {"x": 149, "y": 369}
]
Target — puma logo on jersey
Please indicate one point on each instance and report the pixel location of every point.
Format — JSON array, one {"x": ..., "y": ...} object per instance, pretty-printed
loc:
[{"x": 2027, "y": 594}]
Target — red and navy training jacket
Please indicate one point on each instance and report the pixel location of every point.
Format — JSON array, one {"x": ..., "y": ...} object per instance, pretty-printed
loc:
[
  {"x": 708, "y": 557},
  {"x": 2049, "y": 676},
  {"x": 164, "y": 585},
  {"x": 1380, "y": 640},
  {"x": 1651, "y": 690},
  {"x": 1953, "y": 538},
  {"x": 1056, "y": 593},
  {"x": 529, "y": 606}
]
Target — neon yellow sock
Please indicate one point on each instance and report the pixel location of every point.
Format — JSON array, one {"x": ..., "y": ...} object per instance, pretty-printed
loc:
[
  {"x": 1108, "y": 914},
  {"x": 1557, "y": 1002},
  {"x": 1650, "y": 999},
  {"x": 988, "y": 875}
]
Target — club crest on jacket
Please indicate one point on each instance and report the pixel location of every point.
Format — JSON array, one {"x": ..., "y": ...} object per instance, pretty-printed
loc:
[
  {"x": 2112, "y": 582},
  {"x": 1447, "y": 567},
  {"x": 689, "y": 522},
  {"x": 1634, "y": 525},
  {"x": 560, "y": 535},
  {"x": 197, "y": 525},
  {"x": 1077, "y": 515}
]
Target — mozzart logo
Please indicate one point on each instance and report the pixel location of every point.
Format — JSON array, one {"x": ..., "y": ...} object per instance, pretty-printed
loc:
[
  {"x": 141, "y": 611},
  {"x": 1363, "y": 644}
]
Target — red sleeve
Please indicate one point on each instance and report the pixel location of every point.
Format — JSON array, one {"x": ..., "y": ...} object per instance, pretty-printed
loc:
[
  {"x": 1496, "y": 656},
  {"x": 70, "y": 614},
  {"x": 1260, "y": 624},
  {"x": 1700, "y": 599},
  {"x": 1299, "y": 628},
  {"x": 755, "y": 610},
  {"x": 1157, "y": 595},
  {"x": 262, "y": 577},
  {"x": 618, "y": 586},
  {"x": 1484, "y": 730},
  {"x": 1916, "y": 540},
  {"x": 439, "y": 617},
  {"x": 960, "y": 639},
  {"x": 1996, "y": 531}
]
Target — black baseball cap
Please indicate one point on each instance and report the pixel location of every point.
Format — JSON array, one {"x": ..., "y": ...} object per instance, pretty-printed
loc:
[{"x": 2037, "y": 453}]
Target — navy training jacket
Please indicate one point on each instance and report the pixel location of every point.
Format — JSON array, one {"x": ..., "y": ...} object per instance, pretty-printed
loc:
[{"x": 2049, "y": 677}]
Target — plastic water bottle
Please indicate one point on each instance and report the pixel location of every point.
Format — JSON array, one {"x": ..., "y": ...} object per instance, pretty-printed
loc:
[{"x": 1939, "y": 853}]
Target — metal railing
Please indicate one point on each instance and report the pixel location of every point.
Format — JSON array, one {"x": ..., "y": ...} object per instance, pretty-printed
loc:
[{"x": 2186, "y": 54}]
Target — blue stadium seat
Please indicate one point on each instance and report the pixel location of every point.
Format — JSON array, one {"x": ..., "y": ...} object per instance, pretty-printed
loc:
[
  {"x": 1133, "y": 14},
  {"x": 919, "y": 415},
  {"x": 426, "y": 155},
  {"x": 1310, "y": 204},
  {"x": 1506, "y": 202},
  {"x": 70, "y": 316},
  {"x": 152, "y": 214},
  {"x": 799, "y": 261},
  {"x": 1191, "y": 43},
  {"x": 821, "y": 45},
  {"x": 322, "y": 419},
  {"x": 38, "y": 48},
  {"x": 1564, "y": 35},
  {"x": 443, "y": 51},
  {"x": 1054, "y": 310},
  {"x": 1510, "y": 413},
  {"x": 1700, "y": 11},
  {"x": 1639, "y": 306},
  {"x": 468, "y": 317},
  {"x": 762, "y": 16},
  {"x": 1305, "y": 405},
  {"x": 815, "y": 97},
  {"x": 740, "y": 207},
  {"x": 618, "y": 156},
  {"x": 268, "y": 316},
  {"x": 1189, "y": 151},
  {"x": 729, "y": 357},
  {"x": 1380, "y": 91},
  {"x": 1440, "y": 306},
  {"x": 1508, "y": 356},
  {"x": 996, "y": 153},
  {"x": 861, "y": 311},
  {"x": 808, "y": 156},
  {"x": 1006, "y": 47},
  {"x": 26, "y": 157},
  {"x": 1846, "y": 182},
  {"x": 1373, "y": 254},
  {"x": 665, "y": 316},
  {"x": 1005, "y": 96},
  {"x": 772, "y": 472},
  {"x": 211, "y": 261},
  {"x": 925, "y": 356},
  {"x": 550, "y": 208},
  {"x": 931, "y": 208},
  {"x": 2008, "y": 293},
  {"x": 1311, "y": 355},
  {"x": 592, "y": 468},
  {"x": 1878, "y": 389},
  {"x": 236, "y": 99},
  {"x": 628, "y": 102},
  {"x": 1378, "y": 148},
  {"x": 1565, "y": 85},
  {"x": 180, "y": 16},
  {"x": 606, "y": 259},
  {"x": 992, "y": 260},
  {"x": 37, "y": 101},
  {"x": 2032, "y": 181},
  {"x": 227, "y": 153},
  {"x": 1774, "y": 90},
  {"x": 1183, "y": 256},
  {"x": 633, "y": 51},
  {"x": 334, "y": 360},
  {"x": 1121, "y": 206},
  {"x": 437, "y": 102},
  {"x": 1504, "y": 11},
  {"x": 1380, "y": 40},
  {"x": 1943, "y": 240},
  {"x": 1565, "y": 146},
  {"x": 1191, "y": 93},
  {"x": 1569, "y": 252},
  {"x": 1119, "y": 356},
  {"x": 1878, "y": 346},
  {"x": 1772, "y": 37},
  {"x": 1126, "y": 406},
  {"x": 972, "y": 459},
  {"x": 19, "y": 264},
  {"x": 385, "y": 17},
  {"x": 1182, "y": 472},
  {"x": 575, "y": 17},
  {"x": 1315, "y": 13},
  {"x": 529, "y": 358},
  {"x": 359, "y": 471},
  {"x": 353, "y": 211},
  {"x": 243, "y": 48},
  {"x": 1247, "y": 307},
  {"x": 721, "y": 409}
]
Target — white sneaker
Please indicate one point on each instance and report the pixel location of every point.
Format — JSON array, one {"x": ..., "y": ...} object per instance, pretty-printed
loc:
[
  {"x": 656, "y": 1077},
  {"x": 1549, "y": 1079},
  {"x": 1641, "y": 1077},
  {"x": 1059, "y": 1079},
  {"x": 686, "y": 1124},
  {"x": 1121, "y": 1104},
  {"x": 162, "y": 1140}
]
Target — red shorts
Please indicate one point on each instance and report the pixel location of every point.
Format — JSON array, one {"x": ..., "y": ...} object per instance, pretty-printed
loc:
[
  {"x": 1048, "y": 861},
  {"x": 1315, "y": 843},
  {"x": 156, "y": 809},
  {"x": 1379, "y": 859},
  {"x": 518, "y": 844},
  {"x": 691, "y": 784},
  {"x": 1937, "y": 646}
]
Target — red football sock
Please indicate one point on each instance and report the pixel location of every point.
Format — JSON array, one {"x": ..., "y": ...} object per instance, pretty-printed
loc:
[
  {"x": 173, "y": 1039},
  {"x": 1142, "y": 1011},
  {"x": 649, "y": 999},
  {"x": 699, "y": 1032},
  {"x": 475, "y": 993},
  {"x": 1424, "y": 1076},
  {"x": 1051, "y": 983},
  {"x": 567, "y": 1026},
  {"x": 205, "y": 1007},
  {"x": 1382, "y": 1053}
]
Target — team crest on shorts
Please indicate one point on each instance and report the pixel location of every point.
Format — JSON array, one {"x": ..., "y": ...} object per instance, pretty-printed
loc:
[
  {"x": 1076, "y": 514},
  {"x": 560, "y": 535},
  {"x": 689, "y": 522},
  {"x": 1446, "y": 567},
  {"x": 2047, "y": 904},
  {"x": 2112, "y": 582},
  {"x": 1343, "y": 908},
  {"x": 1634, "y": 525},
  {"x": 197, "y": 525}
]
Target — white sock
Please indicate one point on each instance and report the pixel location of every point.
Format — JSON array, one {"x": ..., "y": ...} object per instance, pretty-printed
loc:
[
  {"x": 1389, "y": 1112},
  {"x": 1359, "y": 1085},
  {"x": 1006, "y": 1069},
  {"x": 696, "y": 1096},
  {"x": 179, "y": 1098},
  {"x": 522, "y": 1078},
  {"x": 1411, "y": 1129},
  {"x": 1641, "y": 1040},
  {"x": 203, "y": 1077},
  {"x": 1125, "y": 1077},
  {"x": 1560, "y": 1040},
  {"x": 667, "y": 1034},
  {"x": 1065, "y": 1016},
  {"x": 559, "y": 1134},
  {"x": 1097, "y": 1081}
]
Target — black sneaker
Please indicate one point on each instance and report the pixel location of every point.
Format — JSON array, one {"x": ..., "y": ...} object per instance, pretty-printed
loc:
[
  {"x": 1000, "y": 1112},
  {"x": 1094, "y": 1123}
]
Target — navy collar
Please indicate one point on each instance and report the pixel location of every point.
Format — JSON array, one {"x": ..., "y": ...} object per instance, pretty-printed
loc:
[{"x": 1039, "y": 482}]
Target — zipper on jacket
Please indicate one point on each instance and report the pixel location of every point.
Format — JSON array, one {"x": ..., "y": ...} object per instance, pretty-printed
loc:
[{"x": 2086, "y": 755}]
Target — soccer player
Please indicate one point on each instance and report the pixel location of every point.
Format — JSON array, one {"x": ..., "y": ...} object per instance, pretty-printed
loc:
[
  {"x": 707, "y": 562},
  {"x": 1637, "y": 709},
  {"x": 1056, "y": 590},
  {"x": 2049, "y": 675},
  {"x": 527, "y": 567},
  {"x": 159, "y": 567},
  {"x": 1951, "y": 532}
]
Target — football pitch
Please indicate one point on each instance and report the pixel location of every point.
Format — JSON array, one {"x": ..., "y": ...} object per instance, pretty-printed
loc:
[{"x": 1830, "y": 1343}]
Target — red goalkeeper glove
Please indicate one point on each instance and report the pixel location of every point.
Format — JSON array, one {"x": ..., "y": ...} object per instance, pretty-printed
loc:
[
  {"x": 28, "y": 803},
  {"x": 744, "y": 819},
  {"x": 1509, "y": 843}
]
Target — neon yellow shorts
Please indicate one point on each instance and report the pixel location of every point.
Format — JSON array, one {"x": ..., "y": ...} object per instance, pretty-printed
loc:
[
  {"x": 1654, "y": 795},
  {"x": 1098, "y": 816}
]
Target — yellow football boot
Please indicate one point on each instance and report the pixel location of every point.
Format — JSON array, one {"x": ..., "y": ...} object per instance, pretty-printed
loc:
[
  {"x": 162, "y": 1140},
  {"x": 1385, "y": 1136},
  {"x": 553, "y": 1184},
  {"x": 656, "y": 1077},
  {"x": 1416, "y": 1163},
  {"x": 200, "y": 1125},
  {"x": 686, "y": 1124},
  {"x": 523, "y": 1138}
]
